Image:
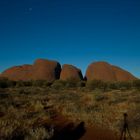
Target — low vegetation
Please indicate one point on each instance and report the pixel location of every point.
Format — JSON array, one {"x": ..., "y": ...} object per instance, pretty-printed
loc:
[{"x": 27, "y": 109}]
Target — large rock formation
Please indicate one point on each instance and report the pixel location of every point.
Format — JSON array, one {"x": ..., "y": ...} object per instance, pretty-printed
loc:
[
  {"x": 70, "y": 72},
  {"x": 106, "y": 72},
  {"x": 122, "y": 75},
  {"x": 40, "y": 70},
  {"x": 18, "y": 73},
  {"x": 51, "y": 70},
  {"x": 46, "y": 70}
]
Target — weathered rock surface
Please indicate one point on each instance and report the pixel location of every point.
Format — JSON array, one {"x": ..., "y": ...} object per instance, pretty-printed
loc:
[
  {"x": 51, "y": 70},
  {"x": 106, "y": 72},
  {"x": 46, "y": 70},
  {"x": 122, "y": 75},
  {"x": 18, "y": 73},
  {"x": 41, "y": 70},
  {"x": 70, "y": 72}
]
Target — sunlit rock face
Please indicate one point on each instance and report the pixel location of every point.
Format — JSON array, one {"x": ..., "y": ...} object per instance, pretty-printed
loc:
[
  {"x": 41, "y": 70},
  {"x": 106, "y": 72},
  {"x": 18, "y": 73},
  {"x": 46, "y": 70},
  {"x": 122, "y": 75},
  {"x": 70, "y": 72}
]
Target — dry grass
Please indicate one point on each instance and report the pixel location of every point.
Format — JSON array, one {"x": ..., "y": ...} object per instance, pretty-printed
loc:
[
  {"x": 105, "y": 109},
  {"x": 29, "y": 109}
]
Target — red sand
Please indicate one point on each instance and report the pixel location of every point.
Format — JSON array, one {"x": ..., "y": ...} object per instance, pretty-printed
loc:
[
  {"x": 95, "y": 133},
  {"x": 67, "y": 130}
]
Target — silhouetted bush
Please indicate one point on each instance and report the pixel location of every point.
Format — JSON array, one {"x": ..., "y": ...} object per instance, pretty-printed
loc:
[
  {"x": 113, "y": 85},
  {"x": 5, "y": 83},
  {"x": 124, "y": 85},
  {"x": 96, "y": 84},
  {"x": 19, "y": 84},
  {"x": 47, "y": 84},
  {"x": 120, "y": 85},
  {"x": 38, "y": 83},
  {"x": 81, "y": 84},
  {"x": 28, "y": 83},
  {"x": 104, "y": 86},
  {"x": 71, "y": 83},
  {"x": 59, "y": 84},
  {"x": 136, "y": 84}
]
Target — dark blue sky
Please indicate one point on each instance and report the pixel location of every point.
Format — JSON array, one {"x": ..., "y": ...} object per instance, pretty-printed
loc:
[{"x": 70, "y": 31}]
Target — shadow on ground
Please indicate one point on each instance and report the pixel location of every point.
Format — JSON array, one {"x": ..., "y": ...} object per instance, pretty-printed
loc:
[{"x": 70, "y": 132}]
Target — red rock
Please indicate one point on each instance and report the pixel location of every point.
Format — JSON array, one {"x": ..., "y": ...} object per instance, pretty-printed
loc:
[
  {"x": 106, "y": 72},
  {"x": 40, "y": 70},
  {"x": 100, "y": 71},
  {"x": 18, "y": 73},
  {"x": 70, "y": 72},
  {"x": 50, "y": 70},
  {"x": 46, "y": 70},
  {"x": 122, "y": 75}
]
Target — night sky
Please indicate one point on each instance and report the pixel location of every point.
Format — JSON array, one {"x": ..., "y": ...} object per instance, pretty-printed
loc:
[{"x": 76, "y": 32}]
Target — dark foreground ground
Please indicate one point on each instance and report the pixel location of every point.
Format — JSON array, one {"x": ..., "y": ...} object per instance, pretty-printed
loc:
[
  {"x": 70, "y": 131},
  {"x": 39, "y": 113}
]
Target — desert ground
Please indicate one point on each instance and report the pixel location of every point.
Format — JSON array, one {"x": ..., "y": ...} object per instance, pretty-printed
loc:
[{"x": 68, "y": 110}]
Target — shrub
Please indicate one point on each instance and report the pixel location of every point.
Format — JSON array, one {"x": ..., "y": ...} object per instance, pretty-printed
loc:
[
  {"x": 38, "y": 83},
  {"x": 124, "y": 85},
  {"x": 59, "y": 84},
  {"x": 71, "y": 83},
  {"x": 96, "y": 84},
  {"x": 104, "y": 86},
  {"x": 19, "y": 84},
  {"x": 5, "y": 83},
  {"x": 81, "y": 84},
  {"x": 47, "y": 84},
  {"x": 28, "y": 83},
  {"x": 136, "y": 84},
  {"x": 113, "y": 85}
]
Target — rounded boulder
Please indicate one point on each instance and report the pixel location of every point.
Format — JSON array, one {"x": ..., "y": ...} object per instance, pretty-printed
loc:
[{"x": 70, "y": 72}]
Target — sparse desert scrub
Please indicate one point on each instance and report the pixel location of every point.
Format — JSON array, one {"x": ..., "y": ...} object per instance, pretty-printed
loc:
[
  {"x": 20, "y": 115},
  {"x": 59, "y": 84},
  {"x": 94, "y": 84},
  {"x": 102, "y": 108},
  {"x": 70, "y": 83},
  {"x": 30, "y": 108}
]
